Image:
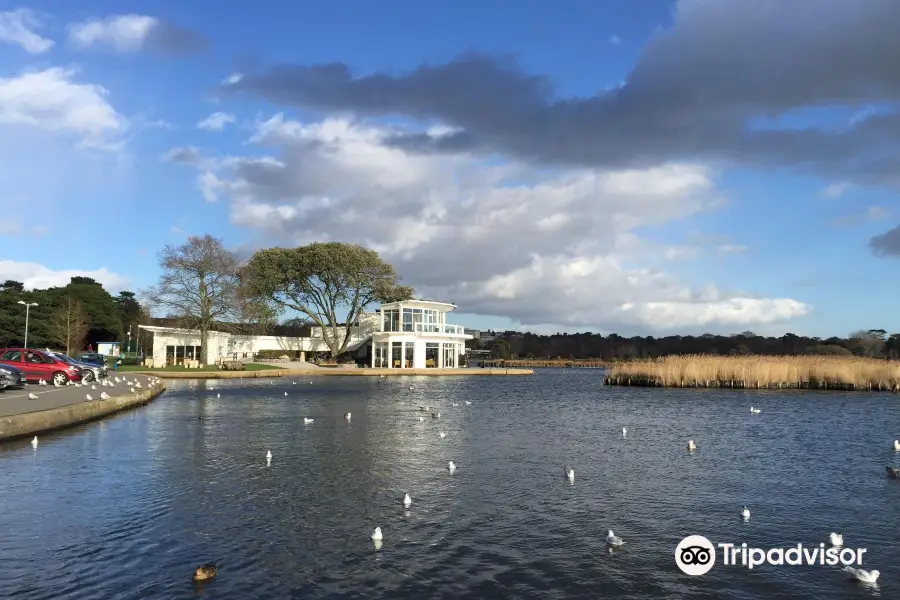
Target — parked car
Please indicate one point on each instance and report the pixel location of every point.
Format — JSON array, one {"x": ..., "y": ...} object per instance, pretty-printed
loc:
[
  {"x": 89, "y": 372},
  {"x": 39, "y": 365},
  {"x": 92, "y": 358},
  {"x": 3, "y": 381},
  {"x": 15, "y": 377}
]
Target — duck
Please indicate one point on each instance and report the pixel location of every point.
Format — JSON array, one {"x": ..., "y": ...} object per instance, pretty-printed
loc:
[
  {"x": 614, "y": 540},
  {"x": 836, "y": 539},
  {"x": 691, "y": 445},
  {"x": 376, "y": 535},
  {"x": 745, "y": 513},
  {"x": 205, "y": 572}
]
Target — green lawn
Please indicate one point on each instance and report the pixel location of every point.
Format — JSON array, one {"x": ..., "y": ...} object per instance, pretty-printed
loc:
[{"x": 247, "y": 367}]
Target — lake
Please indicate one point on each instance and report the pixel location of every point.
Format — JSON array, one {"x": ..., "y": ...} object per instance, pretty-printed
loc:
[{"x": 128, "y": 507}]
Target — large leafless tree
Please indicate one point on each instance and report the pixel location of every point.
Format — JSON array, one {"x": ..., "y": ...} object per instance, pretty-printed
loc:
[
  {"x": 199, "y": 285},
  {"x": 70, "y": 324}
]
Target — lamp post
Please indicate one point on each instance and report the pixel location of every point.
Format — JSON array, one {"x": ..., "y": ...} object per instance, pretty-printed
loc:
[
  {"x": 129, "y": 338},
  {"x": 27, "y": 306}
]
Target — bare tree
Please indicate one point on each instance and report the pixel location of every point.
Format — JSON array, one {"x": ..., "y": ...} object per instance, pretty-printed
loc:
[
  {"x": 868, "y": 342},
  {"x": 199, "y": 285},
  {"x": 70, "y": 325}
]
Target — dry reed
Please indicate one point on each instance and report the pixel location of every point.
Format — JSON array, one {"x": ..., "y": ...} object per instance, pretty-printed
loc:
[
  {"x": 759, "y": 372},
  {"x": 537, "y": 363}
]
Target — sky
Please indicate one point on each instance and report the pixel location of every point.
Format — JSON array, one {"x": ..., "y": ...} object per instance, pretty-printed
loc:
[{"x": 644, "y": 168}]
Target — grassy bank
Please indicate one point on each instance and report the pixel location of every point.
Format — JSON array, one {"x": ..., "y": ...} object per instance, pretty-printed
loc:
[
  {"x": 759, "y": 372},
  {"x": 177, "y": 369}
]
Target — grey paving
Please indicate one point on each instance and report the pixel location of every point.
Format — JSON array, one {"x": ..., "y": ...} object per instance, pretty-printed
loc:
[{"x": 16, "y": 401}]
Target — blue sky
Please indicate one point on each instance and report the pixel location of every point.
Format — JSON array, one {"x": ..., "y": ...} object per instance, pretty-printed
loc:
[{"x": 689, "y": 199}]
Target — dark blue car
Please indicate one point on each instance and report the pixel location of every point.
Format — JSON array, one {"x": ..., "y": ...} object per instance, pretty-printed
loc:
[{"x": 14, "y": 376}]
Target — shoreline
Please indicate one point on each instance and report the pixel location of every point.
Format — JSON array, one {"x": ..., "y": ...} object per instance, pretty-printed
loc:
[
  {"x": 27, "y": 424},
  {"x": 333, "y": 372}
]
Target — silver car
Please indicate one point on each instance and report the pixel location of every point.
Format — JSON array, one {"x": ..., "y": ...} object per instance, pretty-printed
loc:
[{"x": 89, "y": 372}]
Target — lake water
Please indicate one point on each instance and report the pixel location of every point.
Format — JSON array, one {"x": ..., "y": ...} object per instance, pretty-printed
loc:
[{"x": 128, "y": 507}]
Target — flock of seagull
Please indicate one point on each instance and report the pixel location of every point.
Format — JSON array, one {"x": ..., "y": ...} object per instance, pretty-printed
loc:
[{"x": 133, "y": 386}]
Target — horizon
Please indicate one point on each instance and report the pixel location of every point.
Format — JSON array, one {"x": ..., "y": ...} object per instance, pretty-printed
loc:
[{"x": 678, "y": 168}]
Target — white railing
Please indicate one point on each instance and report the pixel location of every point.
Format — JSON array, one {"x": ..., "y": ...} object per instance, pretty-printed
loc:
[{"x": 430, "y": 328}]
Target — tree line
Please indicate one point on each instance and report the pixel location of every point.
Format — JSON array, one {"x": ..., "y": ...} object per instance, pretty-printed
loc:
[
  {"x": 874, "y": 343},
  {"x": 72, "y": 316}
]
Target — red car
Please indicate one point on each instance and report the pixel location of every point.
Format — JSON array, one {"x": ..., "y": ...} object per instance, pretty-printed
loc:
[{"x": 38, "y": 365}]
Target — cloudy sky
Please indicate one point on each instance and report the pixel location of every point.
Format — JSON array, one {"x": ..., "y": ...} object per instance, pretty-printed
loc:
[{"x": 648, "y": 167}]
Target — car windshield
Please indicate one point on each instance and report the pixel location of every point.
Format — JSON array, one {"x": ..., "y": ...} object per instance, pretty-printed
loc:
[{"x": 65, "y": 359}]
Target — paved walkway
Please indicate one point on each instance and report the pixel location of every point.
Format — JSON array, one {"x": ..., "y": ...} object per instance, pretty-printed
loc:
[{"x": 16, "y": 401}]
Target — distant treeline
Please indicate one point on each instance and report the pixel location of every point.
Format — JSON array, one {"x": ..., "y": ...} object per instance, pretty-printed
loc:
[{"x": 874, "y": 343}]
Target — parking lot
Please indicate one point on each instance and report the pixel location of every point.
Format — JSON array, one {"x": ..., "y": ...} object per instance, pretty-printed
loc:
[{"x": 16, "y": 401}]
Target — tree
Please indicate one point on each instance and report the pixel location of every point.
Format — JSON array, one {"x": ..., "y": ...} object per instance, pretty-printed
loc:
[
  {"x": 320, "y": 279},
  {"x": 199, "y": 285},
  {"x": 70, "y": 326},
  {"x": 868, "y": 342},
  {"x": 500, "y": 349}
]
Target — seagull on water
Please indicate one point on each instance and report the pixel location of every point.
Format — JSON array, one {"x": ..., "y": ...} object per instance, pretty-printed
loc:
[
  {"x": 307, "y": 420},
  {"x": 755, "y": 411},
  {"x": 570, "y": 473},
  {"x": 863, "y": 575},
  {"x": 613, "y": 540},
  {"x": 32, "y": 396},
  {"x": 468, "y": 403},
  {"x": 376, "y": 535},
  {"x": 451, "y": 466},
  {"x": 285, "y": 393},
  {"x": 897, "y": 445},
  {"x": 836, "y": 539},
  {"x": 691, "y": 445},
  {"x": 443, "y": 434},
  {"x": 745, "y": 513},
  {"x": 421, "y": 419},
  {"x": 624, "y": 432},
  {"x": 407, "y": 500},
  {"x": 34, "y": 442},
  {"x": 347, "y": 416}
]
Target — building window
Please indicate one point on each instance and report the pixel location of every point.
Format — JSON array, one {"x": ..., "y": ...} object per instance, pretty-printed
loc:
[
  {"x": 449, "y": 349},
  {"x": 432, "y": 353},
  {"x": 410, "y": 353},
  {"x": 380, "y": 349},
  {"x": 391, "y": 320},
  {"x": 396, "y": 356},
  {"x": 408, "y": 320}
]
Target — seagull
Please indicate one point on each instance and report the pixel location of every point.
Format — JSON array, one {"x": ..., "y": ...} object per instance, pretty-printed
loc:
[
  {"x": 347, "y": 416},
  {"x": 624, "y": 432},
  {"x": 745, "y": 513},
  {"x": 104, "y": 396},
  {"x": 34, "y": 442},
  {"x": 754, "y": 410},
  {"x": 307, "y": 420},
  {"x": 132, "y": 390},
  {"x": 88, "y": 397},
  {"x": 468, "y": 403},
  {"x": 863, "y": 575},
  {"x": 570, "y": 473},
  {"x": 443, "y": 434},
  {"x": 218, "y": 395},
  {"x": 893, "y": 472},
  {"x": 93, "y": 387},
  {"x": 421, "y": 419},
  {"x": 410, "y": 387},
  {"x": 42, "y": 382},
  {"x": 268, "y": 455},
  {"x": 294, "y": 382},
  {"x": 376, "y": 535},
  {"x": 691, "y": 445},
  {"x": 451, "y": 466},
  {"x": 836, "y": 539},
  {"x": 897, "y": 445},
  {"x": 285, "y": 393},
  {"x": 613, "y": 540},
  {"x": 32, "y": 396},
  {"x": 407, "y": 500}
]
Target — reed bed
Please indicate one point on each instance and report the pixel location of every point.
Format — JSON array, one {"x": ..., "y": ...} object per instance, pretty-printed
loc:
[
  {"x": 533, "y": 364},
  {"x": 759, "y": 372}
]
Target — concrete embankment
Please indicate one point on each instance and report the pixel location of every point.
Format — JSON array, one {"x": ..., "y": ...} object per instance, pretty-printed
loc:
[
  {"x": 21, "y": 420},
  {"x": 332, "y": 372}
]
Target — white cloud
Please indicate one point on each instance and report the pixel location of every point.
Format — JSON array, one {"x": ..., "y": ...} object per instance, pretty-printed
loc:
[
  {"x": 836, "y": 190},
  {"x": 51, "y": 100},
  {"x": 615, "y": 40},
  {"x": 37, "y": 276},
  {"x": 232, "y": 79},
  {"x": 17, "y": 27},
  {"x": 124, "y": 33},
  {"x": 557, "y": 248},
  {"x": 216, "y": 121}
]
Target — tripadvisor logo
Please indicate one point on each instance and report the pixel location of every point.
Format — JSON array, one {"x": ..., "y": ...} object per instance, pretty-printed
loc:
[{"x": 696, "y": 555}]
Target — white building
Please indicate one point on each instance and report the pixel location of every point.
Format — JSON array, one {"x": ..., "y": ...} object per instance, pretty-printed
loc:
[{"x": 409, "y": 334}]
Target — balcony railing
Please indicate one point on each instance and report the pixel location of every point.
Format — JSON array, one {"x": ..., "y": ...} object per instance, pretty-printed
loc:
[{"x": 431, "y": 328}]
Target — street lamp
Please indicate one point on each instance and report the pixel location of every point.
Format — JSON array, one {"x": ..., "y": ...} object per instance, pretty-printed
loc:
[
  {"x": 27, "y": 306},
  {"x": 129, "y": 338}
]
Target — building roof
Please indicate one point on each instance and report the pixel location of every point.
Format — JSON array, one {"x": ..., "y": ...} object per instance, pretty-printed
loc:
[{"x": 446, "y": 306}]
